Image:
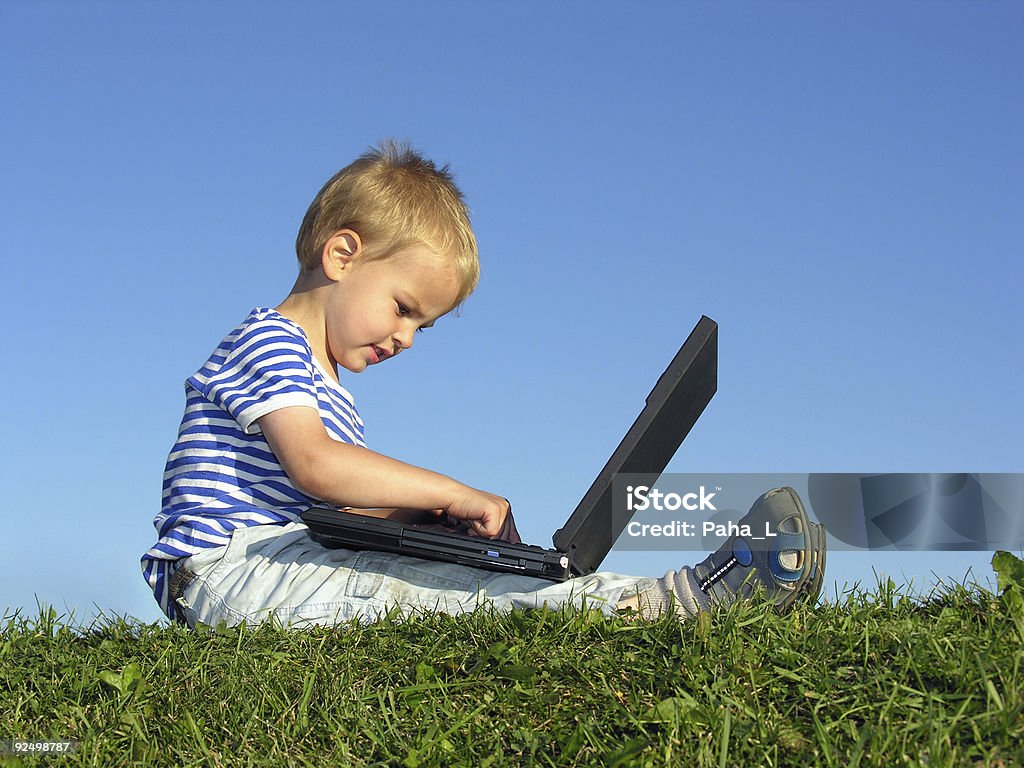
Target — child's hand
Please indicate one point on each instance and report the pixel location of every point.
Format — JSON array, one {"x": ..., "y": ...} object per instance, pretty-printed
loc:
[{"x": 484, "y": 511}]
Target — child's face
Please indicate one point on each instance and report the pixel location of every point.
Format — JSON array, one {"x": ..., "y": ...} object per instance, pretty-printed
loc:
[{"x": 376, "y": 307}]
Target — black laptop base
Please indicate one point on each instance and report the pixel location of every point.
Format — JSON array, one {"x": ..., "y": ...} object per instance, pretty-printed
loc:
[{"x": 348, "y": 530}]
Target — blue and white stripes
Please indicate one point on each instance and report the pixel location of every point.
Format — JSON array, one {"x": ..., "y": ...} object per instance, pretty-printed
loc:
[{"x": 221, "y": 473}]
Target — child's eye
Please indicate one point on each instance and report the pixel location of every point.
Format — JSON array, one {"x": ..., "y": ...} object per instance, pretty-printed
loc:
[{"x": 404, "y": 311}]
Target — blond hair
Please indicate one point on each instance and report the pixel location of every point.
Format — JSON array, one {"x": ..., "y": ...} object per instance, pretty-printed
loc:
[{"x": 393, "y": 198}]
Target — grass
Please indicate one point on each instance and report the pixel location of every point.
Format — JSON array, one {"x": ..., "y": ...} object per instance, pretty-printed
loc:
[{"x": 876, "y": 679}]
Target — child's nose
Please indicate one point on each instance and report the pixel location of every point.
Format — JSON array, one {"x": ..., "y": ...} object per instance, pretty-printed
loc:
[{"x": 403, "y": 339}]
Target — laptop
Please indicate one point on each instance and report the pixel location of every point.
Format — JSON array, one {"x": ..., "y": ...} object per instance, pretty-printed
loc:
[{"x": 581, "y": 544}]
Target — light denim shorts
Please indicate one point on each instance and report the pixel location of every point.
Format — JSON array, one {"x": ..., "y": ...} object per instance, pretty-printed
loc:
[{"x": 272, "y": 572}]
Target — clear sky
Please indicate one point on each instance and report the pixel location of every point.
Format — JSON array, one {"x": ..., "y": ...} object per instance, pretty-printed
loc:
[{"x": 838, "y": 185}]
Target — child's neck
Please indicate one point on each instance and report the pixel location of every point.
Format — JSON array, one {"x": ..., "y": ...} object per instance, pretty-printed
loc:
[{"x": 304, "y": 307}]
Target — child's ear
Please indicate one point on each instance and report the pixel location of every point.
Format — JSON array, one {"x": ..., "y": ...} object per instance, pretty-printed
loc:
[{"x": 339, "y": 250}]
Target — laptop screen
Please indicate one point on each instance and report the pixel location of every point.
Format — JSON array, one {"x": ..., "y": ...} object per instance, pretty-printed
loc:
[{"x": 672, "y": 408}]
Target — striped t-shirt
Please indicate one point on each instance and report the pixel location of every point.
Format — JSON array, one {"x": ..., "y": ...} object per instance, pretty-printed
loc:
[{"x": 221, "y": 474}]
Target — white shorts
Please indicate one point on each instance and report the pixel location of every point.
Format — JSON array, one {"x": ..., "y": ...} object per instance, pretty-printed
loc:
[{"x": 280, "y": 573}]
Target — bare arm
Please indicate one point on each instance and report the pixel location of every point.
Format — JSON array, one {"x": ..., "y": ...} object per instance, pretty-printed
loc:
[{"x": 351, "y": 476}]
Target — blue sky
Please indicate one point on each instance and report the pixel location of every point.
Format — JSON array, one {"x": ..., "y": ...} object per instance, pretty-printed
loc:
[{"x": 838, "y": 185}]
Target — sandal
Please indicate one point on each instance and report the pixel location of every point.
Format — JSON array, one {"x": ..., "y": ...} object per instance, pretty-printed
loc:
[{"x": 788, "y": 565}]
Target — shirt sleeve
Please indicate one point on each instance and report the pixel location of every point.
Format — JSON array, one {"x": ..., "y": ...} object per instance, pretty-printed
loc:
[{"x": 266, "y": 367}]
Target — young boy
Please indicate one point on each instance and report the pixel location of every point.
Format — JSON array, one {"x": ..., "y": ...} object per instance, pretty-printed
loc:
[{"x": 385, "y": 249}]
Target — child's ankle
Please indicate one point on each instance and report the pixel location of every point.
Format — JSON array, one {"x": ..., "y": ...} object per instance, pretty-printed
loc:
[{"x": 676, "y": 592}]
